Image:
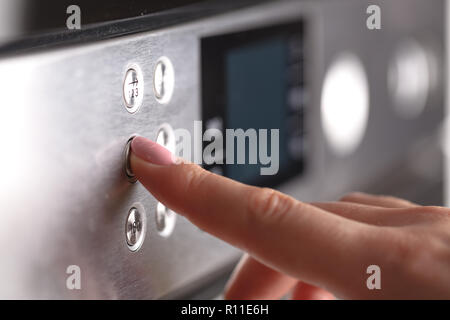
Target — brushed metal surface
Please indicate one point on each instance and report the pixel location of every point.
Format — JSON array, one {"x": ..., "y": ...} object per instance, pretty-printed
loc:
[{"x": 64, "y": 197}]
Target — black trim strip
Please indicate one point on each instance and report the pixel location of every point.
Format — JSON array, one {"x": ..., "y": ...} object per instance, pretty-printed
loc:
[{"x": 113, "y": 29}]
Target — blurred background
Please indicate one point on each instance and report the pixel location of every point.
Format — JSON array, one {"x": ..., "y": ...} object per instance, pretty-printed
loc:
[{"x": 357, "y": 90}]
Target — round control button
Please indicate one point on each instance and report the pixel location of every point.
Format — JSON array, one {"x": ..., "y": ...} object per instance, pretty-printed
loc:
[
  {"x": 345, "y": 104},
  {"x": 410, "y": 79},
  {"x": 163, "y": 80},
  {"x": 135, "y": 227},
  {"x": 165, "y": 220},
  {"x": 166, "y": 137},
  {"x": 133, "y": 89}
]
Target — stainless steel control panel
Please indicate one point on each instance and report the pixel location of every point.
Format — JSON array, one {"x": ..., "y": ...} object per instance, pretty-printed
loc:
[{"x": 68, "y": 112}]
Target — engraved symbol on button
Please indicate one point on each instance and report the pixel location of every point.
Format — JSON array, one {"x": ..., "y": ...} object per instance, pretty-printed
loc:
[
  {"x": 133, "y": 89},
  {"x": 135, "y": 227}
]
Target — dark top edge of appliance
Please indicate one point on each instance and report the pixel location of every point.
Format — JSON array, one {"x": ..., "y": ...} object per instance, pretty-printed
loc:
[{"x": 112, "y": 29}]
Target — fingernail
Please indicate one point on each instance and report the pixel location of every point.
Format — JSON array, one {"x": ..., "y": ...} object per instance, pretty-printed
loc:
[{"x": 151, "y": 152}]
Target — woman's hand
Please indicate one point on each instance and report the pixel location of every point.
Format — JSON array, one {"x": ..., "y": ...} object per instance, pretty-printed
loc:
[{"x": 306, "y": 246}]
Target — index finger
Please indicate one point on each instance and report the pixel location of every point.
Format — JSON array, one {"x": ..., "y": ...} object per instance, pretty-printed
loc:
[{"x": 287, "y": 235}]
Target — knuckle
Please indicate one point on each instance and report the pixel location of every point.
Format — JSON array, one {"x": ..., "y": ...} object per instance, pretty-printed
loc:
[
  {"x": 195, "y": 178},
  {"x": 431, "y": 212},
  {"x": 407, "y": 253},
  {"x": 268, "y": 204},
  {"x": 351, "y": 196},
  {"x": 392, "y": 199},
  {"x": 402, "y": 249},
  {"x": 418, "y": 259},
  {"x": 435, "y": 210},
  {"x": 394, "y": 249}
]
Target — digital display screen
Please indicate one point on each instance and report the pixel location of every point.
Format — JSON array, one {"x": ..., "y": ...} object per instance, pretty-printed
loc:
[
  {"x": 256, "y": 92},
  {"x": 253, "y": 81}
]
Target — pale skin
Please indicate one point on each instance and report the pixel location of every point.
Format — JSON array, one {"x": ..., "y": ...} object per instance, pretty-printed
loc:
[{"x": 311, "y": 250}]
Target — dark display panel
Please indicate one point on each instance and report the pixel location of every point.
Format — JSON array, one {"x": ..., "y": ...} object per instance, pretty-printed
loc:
[{"x": 254, "y": 80}]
